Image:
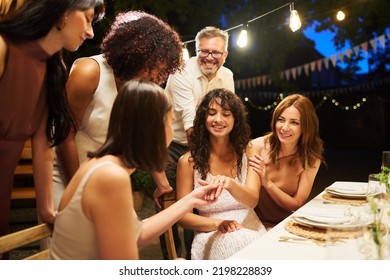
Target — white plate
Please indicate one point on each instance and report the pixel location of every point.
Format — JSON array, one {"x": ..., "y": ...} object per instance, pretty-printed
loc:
[
  {"x": 351, "y": 225},
  {"x": 353, "y": 190}
]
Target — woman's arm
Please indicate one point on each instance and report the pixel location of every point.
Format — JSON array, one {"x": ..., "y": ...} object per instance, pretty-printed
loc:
[
  {"x": 284, "y": 200},
  {"x": 80, "y": 87},
  {"x": 3, "y": 54},
  {"x": 159, "y": 223},
  {"x": 184, "y": 186},
  {"x": 108, "y": 203},
  {"x": 42, "y": 160}
]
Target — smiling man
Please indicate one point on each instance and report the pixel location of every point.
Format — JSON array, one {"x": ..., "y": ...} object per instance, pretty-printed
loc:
[{"x": 201, "y": 74}]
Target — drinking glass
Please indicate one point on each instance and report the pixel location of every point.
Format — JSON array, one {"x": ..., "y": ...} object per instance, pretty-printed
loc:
[
  {"x": 345, "y": 244},
  {"x": 374, "y": 186},
  {"x": 385, "y": 159}
]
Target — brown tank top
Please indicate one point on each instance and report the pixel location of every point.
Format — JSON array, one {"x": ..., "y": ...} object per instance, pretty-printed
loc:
[{"x": 22, "y": 90}]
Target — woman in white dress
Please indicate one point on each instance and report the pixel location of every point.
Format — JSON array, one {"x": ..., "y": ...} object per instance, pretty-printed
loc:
[{"x": 217, "y": 155}]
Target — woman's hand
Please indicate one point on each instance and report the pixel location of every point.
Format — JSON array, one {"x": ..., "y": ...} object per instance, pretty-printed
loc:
[
  {"x": 211, "y": 191},
  {"x": 258, "y": 165},
  {"x": 229, "y": 226}
]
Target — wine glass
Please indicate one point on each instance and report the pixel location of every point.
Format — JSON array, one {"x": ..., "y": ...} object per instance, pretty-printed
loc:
[{"x": 385, "y": 160}]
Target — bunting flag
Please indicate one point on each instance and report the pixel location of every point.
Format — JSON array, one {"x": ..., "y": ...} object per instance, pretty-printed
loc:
[
  {"x": 373, "y": 44},
  {"x": 326, "y": 63},
  {"x": 356, "y": 50},
  {"x": 381, "y": 40},
  {"x": 364, "y": 47},
  {"x": 341, "y": 57},
  {"x": 348, "y": 53},
  {"x": 319, "y": 65},
  {"x": 333, "y": 58},
  {"x": 315, "y": 65},
  {"x": 306, "y": 68}
]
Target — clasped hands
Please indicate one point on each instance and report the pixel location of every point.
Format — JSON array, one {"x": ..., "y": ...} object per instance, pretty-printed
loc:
[{"x": 219, "y": 182}]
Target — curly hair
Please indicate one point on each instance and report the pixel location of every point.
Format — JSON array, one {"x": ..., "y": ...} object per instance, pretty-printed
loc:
[
  {"x": 137, "y": 42},
  {"x": 310, "y": 145},
  {"x": 239, "y": 137}
]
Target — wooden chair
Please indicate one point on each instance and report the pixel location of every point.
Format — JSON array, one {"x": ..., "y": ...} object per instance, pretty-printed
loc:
[
  {"x": 168, "y": 200},
  {"x": 24, "y": 171},
  {"x": 24, "y": 237}
]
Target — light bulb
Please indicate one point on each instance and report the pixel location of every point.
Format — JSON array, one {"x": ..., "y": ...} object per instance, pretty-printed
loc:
[
  {"x": 242, "y": 38},
  {"x": 295, "y": 21},
  {"x": 340, "y": 15},
  {"x": 186, "y": 54}
]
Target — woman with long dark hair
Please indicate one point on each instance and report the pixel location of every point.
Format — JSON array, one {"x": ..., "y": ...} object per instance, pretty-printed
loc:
[{"x": 33, "y": 101}]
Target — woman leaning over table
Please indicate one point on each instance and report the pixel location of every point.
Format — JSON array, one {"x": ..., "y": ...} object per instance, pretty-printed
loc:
[
  {"x": 287, "y": 159},
  {"x": 137, "y": 45},
  {"x": 32, "y": 88},
  {"x": 96, "y": 218}
]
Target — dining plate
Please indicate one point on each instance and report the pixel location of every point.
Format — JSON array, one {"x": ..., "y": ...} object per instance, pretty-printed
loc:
[
  {"x": 352, "y": 190},
  {"x": 349, "y": 224}
]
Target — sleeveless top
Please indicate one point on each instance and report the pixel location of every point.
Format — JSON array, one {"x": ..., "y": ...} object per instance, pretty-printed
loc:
[
  {"x": 94, "y": 125},
  {"x": 216, "y": 245},
  {"x": 286, "y": 177},
  {"x": 22, "y": 90},
  {"x": 74, "y": 236}
]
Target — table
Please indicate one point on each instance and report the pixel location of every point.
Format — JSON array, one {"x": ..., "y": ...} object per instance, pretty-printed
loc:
[{"x": 268, "y": 247}]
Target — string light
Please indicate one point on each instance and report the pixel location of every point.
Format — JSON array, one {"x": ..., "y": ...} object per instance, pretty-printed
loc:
[
  {"x": 324, "y": 99},
  {"x": 243, "y": 37},
  {"x": 295, "y": 24},
  {"x": 295, "y": 21},
  {"x": 340, "y": 15},
  {"x": 186, "y": 54}
]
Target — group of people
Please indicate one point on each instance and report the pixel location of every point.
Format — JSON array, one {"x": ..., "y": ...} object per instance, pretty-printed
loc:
[{"x": 110, "y": 116}]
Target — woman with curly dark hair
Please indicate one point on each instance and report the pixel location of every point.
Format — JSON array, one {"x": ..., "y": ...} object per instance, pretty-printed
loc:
[
  {"x": 137, "y": 45},
  {"x": 33, "y": 102},
  {"x": 287, "y": 159},
  {"x": 217, "y": 154}
]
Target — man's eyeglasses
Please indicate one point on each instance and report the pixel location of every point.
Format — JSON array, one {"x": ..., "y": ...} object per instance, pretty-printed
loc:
[{"x": 214, "y": 54}]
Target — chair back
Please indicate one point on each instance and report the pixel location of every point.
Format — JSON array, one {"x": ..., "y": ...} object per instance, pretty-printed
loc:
[{"x": 168, "y": 200}]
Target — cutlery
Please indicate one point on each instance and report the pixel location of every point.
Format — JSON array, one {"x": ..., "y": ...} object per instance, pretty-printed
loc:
[{"x": 303, "y": 240}]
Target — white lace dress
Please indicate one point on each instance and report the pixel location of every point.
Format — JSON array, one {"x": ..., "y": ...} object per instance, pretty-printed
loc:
[{"x": 215, "y": 245}]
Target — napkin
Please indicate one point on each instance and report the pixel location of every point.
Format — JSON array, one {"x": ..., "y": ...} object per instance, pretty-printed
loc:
[
  {"x": 349, "y": 188},
  {"x": 323, "y": 216}
]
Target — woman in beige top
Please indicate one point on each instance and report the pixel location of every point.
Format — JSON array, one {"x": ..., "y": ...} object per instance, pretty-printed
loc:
[
  {"x": 287, "y": 159},
  {"x": 96, "y": 219}
]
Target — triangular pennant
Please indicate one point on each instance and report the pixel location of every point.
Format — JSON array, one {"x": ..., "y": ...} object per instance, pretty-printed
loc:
[
  {"x": 258, "y": 81},
  {"x": 373, "y": 44},
  {"x": 364, "y": 47},
  {"x": 341, "y": 56},
  {"x": 319, "y": 65},
  {"x": 333, "y": 58},
  {"x": 382, "y": 40},
  {"x": 348, "y": 53},
  {"x": 306, "y": 68},
  {"x": 264, "y": 79},
  {"x": 356, "y": 50},
  {"x": 238, "y": 84},
  {"x": 299, "y": 70},
  {"x": 326, "y": 63},
  {"x": 269, "y": 81},
  {"x": 312, "y": 66},
  {"x": 294, "y": 73},
  {"x": 287, "y": 74},
  {"x": 249, "y": 83}
]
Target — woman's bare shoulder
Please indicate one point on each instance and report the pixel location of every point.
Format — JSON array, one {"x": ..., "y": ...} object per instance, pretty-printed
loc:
[{"x": 3, "y": 53}]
